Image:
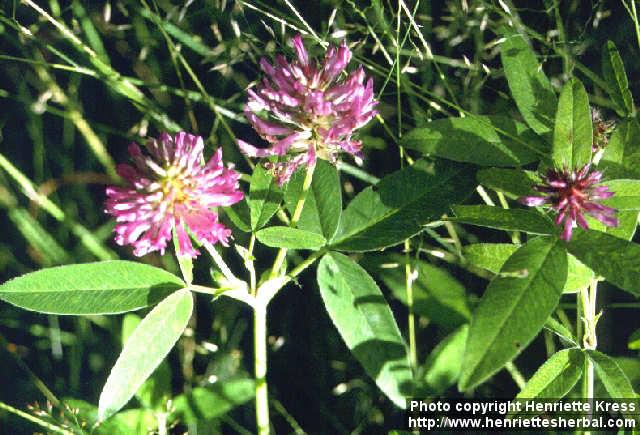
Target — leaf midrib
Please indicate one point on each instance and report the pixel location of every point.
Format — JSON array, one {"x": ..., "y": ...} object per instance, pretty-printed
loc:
[
  {"x": 150, "y": 287},
  {"x": 261, "y": 204},
  {"x": 391, "y": 213},
  {"x": 396, "y": 337},
  {"x": 513, "y": 307},
  {"x": 156, "y": 332}
]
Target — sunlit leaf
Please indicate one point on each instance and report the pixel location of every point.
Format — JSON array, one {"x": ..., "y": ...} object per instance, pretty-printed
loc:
[
  {"x": 106, "y": 287},
  {"x": 573, "y": 131},
  {"x": 401, "y": 204},
  {"x": 365, "y": 322},
  {"x": 161, "y": 328},
  {"x": 514, "y": 308}
]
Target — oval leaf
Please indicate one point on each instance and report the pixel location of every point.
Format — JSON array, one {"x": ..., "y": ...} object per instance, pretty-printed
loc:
[
  {"x": 265, "y": 197},
  {"x": 556, "y": 377},
  {"x": 401, "y": 204},
  {"x": 613, "y": 378},
  {"x": 514, "y": 183},
  {"x": 203, "y": 404},
  {"x": 161, "y": 327},
  {"x": 514, "y": 308},
  {"x": 529, "y": 221},
  {"x": 492, "y": 256},
  {"x": 475, "y": 139},
  {"x": 616, "y": 78},
  {"x": 106, "y": 287},
  {"x": 444, "y": 363},
  {"x": 365, "y": 322},
  {"x": 621, "y": 158},
  {"x": 489, "y": 256},
  {"x": 292, "y": 238},
  {"x": 627, "y": 194},
  {"x": 323, "y": 205},
  {"x": 615, "y": 259},
  {"x": 573, "y": 132},
  {"x": 437, "y": 295},
  {"x": 529, "y": 86}
]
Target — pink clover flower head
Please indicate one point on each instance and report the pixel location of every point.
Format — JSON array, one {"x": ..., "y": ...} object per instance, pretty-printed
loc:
[
  {"x": 308, "y": 108},
  {"x": 572, "y": 193},
  {"x": 170, "y": 189}
]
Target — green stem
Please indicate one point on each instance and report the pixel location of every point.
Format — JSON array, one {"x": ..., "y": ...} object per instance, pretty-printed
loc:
[
  {"x": 260, "y": 314},
  {"x": 297, "y": 212},
  {"x": 516, "y": 375},
  {"x": 634, "y": 17},
  {"x": 589, "y": 338},
  {"x": 260, "y": 364},
  {"x": 161, "y": 417},
  {"x": 34, "y": 419},
  {"x": 413, "y": 354},
  {"x": 250, "y": 266},
  {"x": 217, "y": 258},
  {"x": 562, "y": 37}
]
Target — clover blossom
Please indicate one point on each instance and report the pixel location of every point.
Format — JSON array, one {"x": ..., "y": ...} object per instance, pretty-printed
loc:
[
  {"x": 572, "y": 193},
  {"x": 170, "y": 190},
  {"x": 308, "y": 108}
]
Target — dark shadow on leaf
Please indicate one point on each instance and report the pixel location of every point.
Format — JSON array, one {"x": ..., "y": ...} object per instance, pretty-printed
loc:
[
  {"x": 158, "y": 292},
  {"x": 370, "y": 299}
]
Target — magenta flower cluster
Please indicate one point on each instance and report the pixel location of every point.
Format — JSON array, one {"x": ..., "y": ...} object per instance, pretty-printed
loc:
[
  {"x": 572, "y": 194},
  {"x": 306, "y": 109},
  {"x": 301, "y": 107},
  {"x": 169, "y": 190}
]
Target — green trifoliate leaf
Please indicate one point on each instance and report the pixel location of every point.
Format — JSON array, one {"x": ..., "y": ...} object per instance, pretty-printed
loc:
[
  {"x": 145, "y": 349},
  {"x": 482, "y": 140},
  {"x": 514, "y": 308},
  {"x": 616, "y": 78},
  {"x": 573, "y": 131},
  {"x": 323, "y": 204},
  {"x": 529, "y": 86},
  {"x": 365, "y": 322},
  {"x": 106, "y": 287},
  {"x": 291, "y": 238}
]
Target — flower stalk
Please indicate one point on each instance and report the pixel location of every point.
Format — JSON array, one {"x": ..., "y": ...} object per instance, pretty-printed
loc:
[
  {"x": 260, "y": 366},
  {"x": 589, "y": 338}
]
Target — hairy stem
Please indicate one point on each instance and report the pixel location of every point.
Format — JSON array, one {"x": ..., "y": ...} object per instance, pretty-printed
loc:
[
  {"x": 297, "y": 212},
  {"x": 589, "y": 338},
  {"x": 250, "y": 267},
  {"x": 260, "y": 364},
  {"x": 217, "y": 258}
]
